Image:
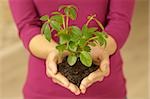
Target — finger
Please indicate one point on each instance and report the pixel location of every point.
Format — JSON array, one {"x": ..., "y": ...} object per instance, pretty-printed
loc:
[
  {"x": 70, "y": 87},
  {"x": 107, "y": 72},
  {"x": 62, "y": 79},
  {"x": 86, "y": 82},
  {"x": 73, "y": 88},
  {"x": 96, "y": 75},
  {"x": 51, "y": 62},
  {"x": 83, "y": 89},
  {"x": 92, "y": 78},
  {"x": 58, "y": 82},
  {"x": 104, "y": 64},
  {"x": 59, "y": 59},
  {"x": 49, "y": 73}
]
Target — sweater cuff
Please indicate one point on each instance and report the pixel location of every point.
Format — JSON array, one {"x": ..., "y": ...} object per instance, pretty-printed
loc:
[{"x": 26, "y": 36}]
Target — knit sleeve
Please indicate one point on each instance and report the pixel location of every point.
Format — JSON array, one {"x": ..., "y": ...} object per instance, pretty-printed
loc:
[
  {"x": 26, "y": 19},
  {"x": 119, "y": 20}
]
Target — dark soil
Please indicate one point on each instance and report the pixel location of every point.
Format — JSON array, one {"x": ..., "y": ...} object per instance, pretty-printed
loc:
[{"x": 77, "y": 72}]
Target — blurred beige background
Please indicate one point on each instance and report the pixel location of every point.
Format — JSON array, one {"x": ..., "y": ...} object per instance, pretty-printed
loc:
[{"x": 13, "y": 59}]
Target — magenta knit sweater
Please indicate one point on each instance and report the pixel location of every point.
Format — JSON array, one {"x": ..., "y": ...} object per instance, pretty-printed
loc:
[{"x": 115, "y": 16}]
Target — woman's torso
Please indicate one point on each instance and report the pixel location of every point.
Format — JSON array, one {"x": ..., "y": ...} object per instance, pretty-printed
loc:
[{"x": 38, "y": 84}]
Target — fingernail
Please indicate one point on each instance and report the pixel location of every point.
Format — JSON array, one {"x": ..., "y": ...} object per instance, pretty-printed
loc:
[
  {"x": 83, "y": 91},
  {"x": 77, "y": 93}
]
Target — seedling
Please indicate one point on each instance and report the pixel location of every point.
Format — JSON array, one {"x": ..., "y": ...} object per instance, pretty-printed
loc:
[{"x": 71, "y": 38}]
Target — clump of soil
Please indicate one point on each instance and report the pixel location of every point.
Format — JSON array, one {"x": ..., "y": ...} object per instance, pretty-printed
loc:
[{"x": 76, "y": 73}]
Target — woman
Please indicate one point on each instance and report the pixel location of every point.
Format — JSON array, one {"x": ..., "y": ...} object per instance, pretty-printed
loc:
[{"x": 42, "y": 72}]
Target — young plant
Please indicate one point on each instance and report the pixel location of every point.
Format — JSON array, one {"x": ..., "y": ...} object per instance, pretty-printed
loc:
[{"x": 71, "y": 38}]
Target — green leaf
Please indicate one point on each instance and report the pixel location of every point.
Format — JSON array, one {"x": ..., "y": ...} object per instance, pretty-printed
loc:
[
  {"x": 82, "y": 42},
  {"x": 97, "y": 33},
  {"x": 57, "y": 18},
  {"x": 76, "y": 30},
  {"x": 63, "y": 31},
  {"x": 47, "y": 32},
  {"x": 73, "y": 14},
  {"x": 92, "y": 29},
  {"x": 75, "y": 33},
  {"x": 87, "y": 48},
  {"x": 67, "y": 11},
  {"x": 43, "y": 27},
  {"x": 85, "y": 32},
  {"x": 72, "y": 46},
  {"x": 101, "y": 38},
  {"x": 105, "y": 34},
  {"x": 86, "y": 58},
  {"x": 72, "y": 59},
  {"x": 44, "y": 18},
  {"x": 61, "y": 47},
  {"x": 55, "y": 25},
  {"x": 64, "y": 38},
  {"x": 84, "y": 29},
  {"x": 105, "y": 42}
]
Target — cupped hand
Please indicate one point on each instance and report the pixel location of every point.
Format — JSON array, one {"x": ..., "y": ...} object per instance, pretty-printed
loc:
[
  {"x": 100, "y": 56},
  {"x": 51, "y": 70}
]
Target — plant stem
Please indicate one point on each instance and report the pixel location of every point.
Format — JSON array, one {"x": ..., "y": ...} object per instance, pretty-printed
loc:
[
  {"x": 63, "y": 21},
  {"x": 90, "y": 40},
  {"x": 88, "y": 22},
  {"x": 67, "y": 21},
  {"x": 99, "y": 23},
  {"x": 90, "y": 19},
  {"x": 52, "y": 30},
  {"x": 67, "y": 16}
]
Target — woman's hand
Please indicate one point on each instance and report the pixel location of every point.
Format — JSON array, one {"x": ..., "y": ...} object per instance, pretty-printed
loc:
[
  {"x": 100, "y": 56},
  {"x": 51, "y": 70}
]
